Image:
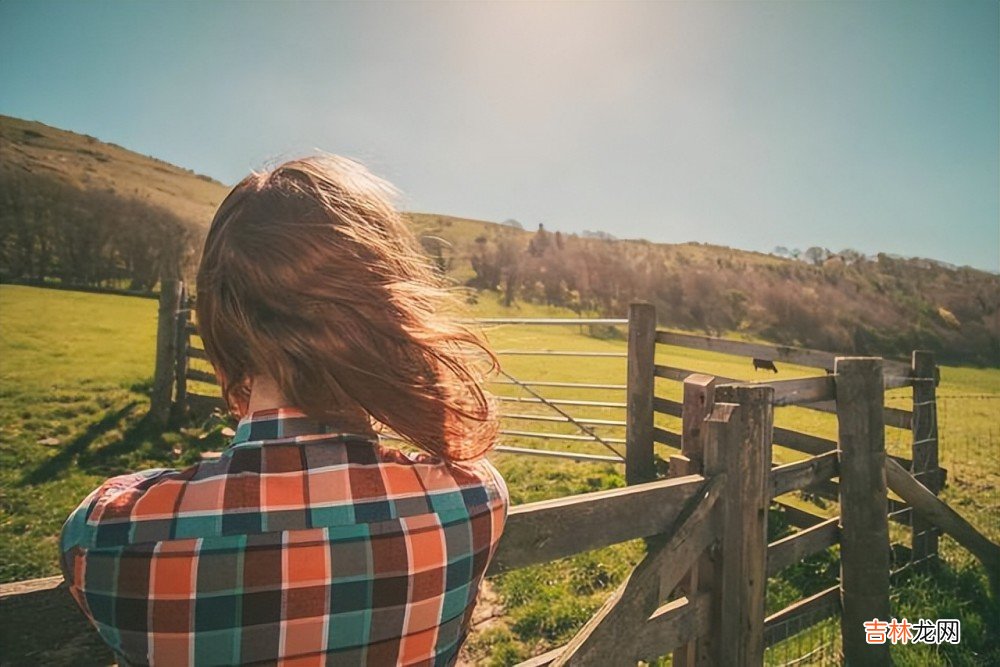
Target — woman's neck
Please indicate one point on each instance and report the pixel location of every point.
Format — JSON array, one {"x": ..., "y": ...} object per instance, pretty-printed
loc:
[{"x": 265, "y": 394}]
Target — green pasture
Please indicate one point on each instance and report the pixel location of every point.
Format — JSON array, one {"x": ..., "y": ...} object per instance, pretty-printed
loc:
[{"x": 75, "y": 374}]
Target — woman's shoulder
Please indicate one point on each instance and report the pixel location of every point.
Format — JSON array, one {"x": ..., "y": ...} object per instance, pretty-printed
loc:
[{"x": 437, "y": 474}]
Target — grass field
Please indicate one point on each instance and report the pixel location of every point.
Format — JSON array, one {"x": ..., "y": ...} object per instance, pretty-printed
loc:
[{"x": 75, "y": 372}]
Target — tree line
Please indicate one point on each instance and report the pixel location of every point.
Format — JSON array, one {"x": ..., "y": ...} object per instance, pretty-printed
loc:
[
  {"x": 94, "y": 238},
  {"x": 845, "y": 302}
]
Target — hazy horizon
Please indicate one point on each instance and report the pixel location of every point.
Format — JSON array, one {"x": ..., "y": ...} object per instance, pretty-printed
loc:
[{"x": 874, "y": 126}]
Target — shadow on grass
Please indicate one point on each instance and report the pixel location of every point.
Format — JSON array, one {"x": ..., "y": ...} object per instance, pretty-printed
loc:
[{"x": 133, "y": 435}]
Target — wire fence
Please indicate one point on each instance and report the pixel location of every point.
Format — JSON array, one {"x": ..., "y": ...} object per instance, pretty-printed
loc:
[{"x": 816, "y": 642}]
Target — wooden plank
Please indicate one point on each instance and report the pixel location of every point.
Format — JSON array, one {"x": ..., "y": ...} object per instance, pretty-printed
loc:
[
  {"x": 201, "y": 376},
  {"x": 665, "y": 406},
  {"x": 899, "y": 418},
  {"x": 793, "y": 548},
  {"x": 801, "y": 391},
  {"x": 573, "y": 456},
  {"x": 830, "y": 490},
  {"x": 550, "y": 529},
  {"x": 699, "y": 398},
  {"x": 739, "y": 444},
  {"x": 793, "y": 355},
  {"x": 803, "y": 474},
  {"x": 678, "y": 374},
  {"x": 196, "y": 352},
  {"x": 938, "y": 513},
  {"x": 639, "y": 462},
  {"x": 924, "y": 450},
  {"x": 542, "y": 660},
  {"x": 40, "y": 624},
  {"x": 674, "y": 624},
  {"x": 166, "y": 351},
  {"x": 610, "y": 634},
  {"x": 665, "y": 437},
  {"x": 795, "y": 617},
  {"x": 864, "y": 528},
  {"x": 744, "y": 528},
  {"x": 671, "y": 623},
  {"x": 897, "y": 381},
  {"x": 803, "y": 442},
  {"x": 798, "y": 517},
  {"x": 679, "y": 466}
]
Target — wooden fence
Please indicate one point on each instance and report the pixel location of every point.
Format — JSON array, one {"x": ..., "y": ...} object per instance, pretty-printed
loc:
[{"x": 699, "y": 591}]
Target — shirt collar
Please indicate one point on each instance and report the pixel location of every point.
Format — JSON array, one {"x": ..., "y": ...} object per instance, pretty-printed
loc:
[{"x": 282, "y": 423}]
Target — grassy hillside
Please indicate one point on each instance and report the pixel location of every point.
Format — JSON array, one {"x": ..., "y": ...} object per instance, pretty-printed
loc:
[
  {"x": 86, "y": 212},
  {"x": 73, "y": 397},
  {"x": 86, "y": 163}
]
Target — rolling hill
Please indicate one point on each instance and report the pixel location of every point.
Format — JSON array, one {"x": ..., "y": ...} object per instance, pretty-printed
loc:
[{"x": 82, "y": 211}]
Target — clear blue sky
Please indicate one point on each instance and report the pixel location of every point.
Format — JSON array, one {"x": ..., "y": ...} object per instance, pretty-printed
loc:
[{"x": 872, "y": 125}]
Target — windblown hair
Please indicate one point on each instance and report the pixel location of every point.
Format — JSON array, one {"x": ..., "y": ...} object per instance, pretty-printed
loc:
[{"x": 311, "y": 276}]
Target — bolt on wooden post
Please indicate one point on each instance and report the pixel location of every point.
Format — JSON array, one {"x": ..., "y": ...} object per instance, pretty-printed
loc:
[{"x": 864, "y": 526}]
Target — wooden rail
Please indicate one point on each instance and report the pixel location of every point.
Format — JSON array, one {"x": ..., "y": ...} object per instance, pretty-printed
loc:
[
  {"x": 793, "y": 355},
  {"x": 793, "y": 548},
  {"x": 934, "y": 510},
  {"x": 815, "y": 393},
  {"x": 803, "y": 474},
  {"x": 550, "y": 529}
]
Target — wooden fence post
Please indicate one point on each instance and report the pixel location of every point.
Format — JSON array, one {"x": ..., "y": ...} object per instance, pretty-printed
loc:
[
  {"x": 181, "y": 360},
  {"x": 639, "y": 465},
  {"x": 166, "y": 343},
  {"x": 739, "y": 444},
  {"x": 925, "y": 450},
  {"x": 699, "y": 398},
  {"x": 864, "y": 527}
]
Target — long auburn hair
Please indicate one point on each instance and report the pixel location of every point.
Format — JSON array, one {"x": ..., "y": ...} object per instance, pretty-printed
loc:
[{"x": 310, "y": 275}]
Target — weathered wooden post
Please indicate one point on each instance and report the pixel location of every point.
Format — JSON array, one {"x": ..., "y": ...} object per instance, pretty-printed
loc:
[
  {"x": 181, "y": 360},
  {"x": 699, "y": 398},
  {"x": 864, "y": 527},
  {"x": 925, "y": 450},
  {"x": 166, "y": 345},
  {"x": 738, "y": 443},
  {"x": 639, "y": 466}
]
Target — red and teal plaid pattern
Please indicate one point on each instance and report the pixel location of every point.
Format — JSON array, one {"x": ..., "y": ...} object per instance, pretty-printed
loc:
[{"x": 299, "y": 546}]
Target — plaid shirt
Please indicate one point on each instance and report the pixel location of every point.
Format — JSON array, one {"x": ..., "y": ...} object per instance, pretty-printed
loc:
[{"x": 299, "y": 546}]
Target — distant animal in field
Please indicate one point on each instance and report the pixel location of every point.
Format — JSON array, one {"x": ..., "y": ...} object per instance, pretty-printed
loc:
[{"x": 764, "y": 365}]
